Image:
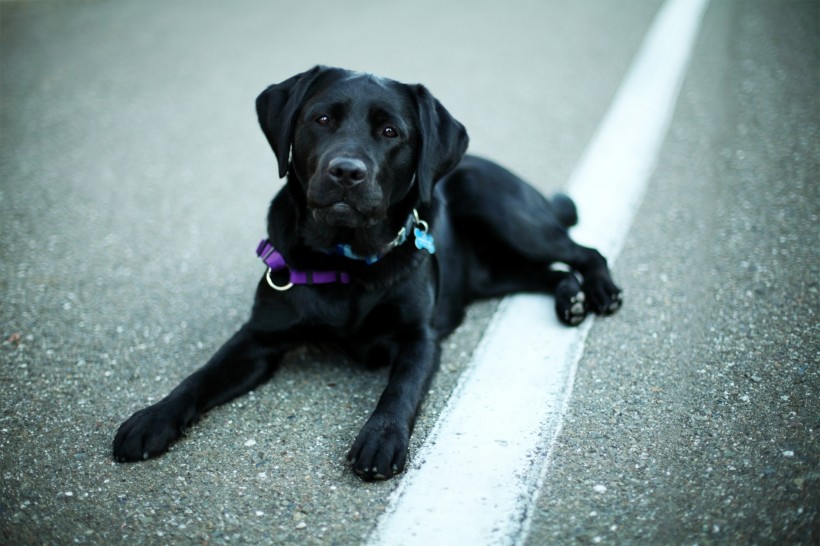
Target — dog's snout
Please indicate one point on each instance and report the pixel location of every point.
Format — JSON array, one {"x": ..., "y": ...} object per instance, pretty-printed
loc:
[{"x": 347, "y": 171}]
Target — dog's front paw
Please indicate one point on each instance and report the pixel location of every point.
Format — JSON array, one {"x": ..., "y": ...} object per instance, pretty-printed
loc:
[
  {"x": 603, "y": 297},
  {"x": 148, "y": 433},
  {"x": 380, "y": 449}
]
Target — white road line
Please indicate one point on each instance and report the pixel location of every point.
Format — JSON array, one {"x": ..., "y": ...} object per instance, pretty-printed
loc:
[{"x": 478, "y": 474}]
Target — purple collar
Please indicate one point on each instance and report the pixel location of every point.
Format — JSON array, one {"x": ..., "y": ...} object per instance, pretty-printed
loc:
[{"x": 276, "y": 262}]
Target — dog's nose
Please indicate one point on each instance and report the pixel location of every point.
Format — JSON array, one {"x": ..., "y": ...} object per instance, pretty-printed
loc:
[{"x": 347, "y": 171}]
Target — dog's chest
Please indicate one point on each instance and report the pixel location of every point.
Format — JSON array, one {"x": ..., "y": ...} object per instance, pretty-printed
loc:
[{"x": 347, "y": 313}]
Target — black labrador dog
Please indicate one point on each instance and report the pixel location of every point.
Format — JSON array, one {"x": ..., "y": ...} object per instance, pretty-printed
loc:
[{"x": 382, "y": 235}]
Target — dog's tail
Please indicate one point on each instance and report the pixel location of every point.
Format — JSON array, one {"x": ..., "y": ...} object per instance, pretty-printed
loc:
[{"x": 565, "y": 209}]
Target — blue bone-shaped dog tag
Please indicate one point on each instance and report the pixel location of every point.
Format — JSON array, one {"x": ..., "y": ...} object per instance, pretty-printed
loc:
[{"x": 424, "y": 241}]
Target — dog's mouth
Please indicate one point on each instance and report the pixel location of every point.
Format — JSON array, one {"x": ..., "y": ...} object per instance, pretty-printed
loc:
[{"x": 341, "y": 215}]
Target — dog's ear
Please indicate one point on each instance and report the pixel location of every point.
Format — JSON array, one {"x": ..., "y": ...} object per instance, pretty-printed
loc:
[
  {"x": 442, "y": 142},
  {"x": 277, "y": 108}
]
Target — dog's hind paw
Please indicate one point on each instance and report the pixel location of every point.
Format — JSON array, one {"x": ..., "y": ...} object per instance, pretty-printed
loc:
[
  {"x": 615, "y": 304},
  {"x": 570, "y": 301},
  {"x": 603, "y": 297},
  {"x": 572, "y": 312}
]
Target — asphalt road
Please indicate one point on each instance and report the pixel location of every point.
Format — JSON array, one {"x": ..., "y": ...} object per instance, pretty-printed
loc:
[{"x": 133, "y": 187}]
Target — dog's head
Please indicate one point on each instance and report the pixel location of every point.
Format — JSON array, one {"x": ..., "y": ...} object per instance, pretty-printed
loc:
[{"x": 357, "y": 145}]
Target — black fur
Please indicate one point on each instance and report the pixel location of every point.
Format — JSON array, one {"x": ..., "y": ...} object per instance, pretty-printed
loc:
[{"x": 361, "y": 153}]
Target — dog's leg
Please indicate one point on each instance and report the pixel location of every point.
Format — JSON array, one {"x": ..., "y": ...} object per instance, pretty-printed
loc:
[
  {"x": 531, "y": 229},
  {"x": 597, "y": 291},
  {"x": 538, "y": 240},
  {"x": 526, "y": 242},
  {"x": 499, "y": 277},
  {"x": 245, "y": 361},
  {"x": 380, "y": 450}
]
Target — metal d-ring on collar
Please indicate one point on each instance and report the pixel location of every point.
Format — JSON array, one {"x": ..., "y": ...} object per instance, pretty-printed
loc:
[
  {"x": 275, "y": 262},
  {"x": 276, "y": 286}
]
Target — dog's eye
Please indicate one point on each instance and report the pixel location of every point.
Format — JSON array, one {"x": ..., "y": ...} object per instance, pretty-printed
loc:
[
  {"x": 323, "y": 120},
  {"x": 390, "y": 132}
]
